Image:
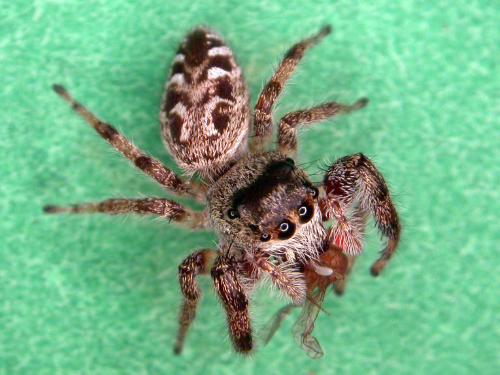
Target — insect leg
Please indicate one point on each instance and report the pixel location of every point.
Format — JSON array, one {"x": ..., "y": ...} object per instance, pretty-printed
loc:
[
  {"x": 235, "y": 301},
  {"x": 304, "y": 326},
  {"x": 163, "y": 207},
  {"x": 339, "y": 286},
  {"x": 287, "y": 131},
  {"x": 263, "y": 109},
  {"x": 197, "y": 263},
  {"x": 354, "y": 183}
]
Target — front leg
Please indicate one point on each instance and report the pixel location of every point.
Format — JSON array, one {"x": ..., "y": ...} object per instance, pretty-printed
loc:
[
  {"x": 354, "y": 188},
  {"x": 287, "y": 278},
  {"x": 235, "y": 301},
  {"x": 197, "y": 263}
]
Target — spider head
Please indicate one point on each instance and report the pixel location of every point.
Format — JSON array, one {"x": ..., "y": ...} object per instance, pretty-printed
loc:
[{"x": 267, "y": 202}]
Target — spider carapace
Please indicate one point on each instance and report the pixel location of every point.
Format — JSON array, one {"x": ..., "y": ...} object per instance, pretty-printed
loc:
[{"x": 267, "y": 212}]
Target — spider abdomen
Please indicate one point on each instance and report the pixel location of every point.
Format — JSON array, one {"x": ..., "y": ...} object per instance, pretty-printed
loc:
[{"x": 205, "y": 112}]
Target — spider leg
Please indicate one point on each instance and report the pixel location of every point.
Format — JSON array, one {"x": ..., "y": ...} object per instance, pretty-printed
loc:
[
  {"x": 163, "y": 207},
  {"x": 235, "y": 301},
  {"x": 287, "y": 131},
  {"x": 286, "y": 278},
  {"x": 263, "y": 109},
  {"x": 149, "y": 165},
  {"x": 348, "y": 230},
  {"x": 353, "y": 184},
  {"x": 197, "y": 263}
]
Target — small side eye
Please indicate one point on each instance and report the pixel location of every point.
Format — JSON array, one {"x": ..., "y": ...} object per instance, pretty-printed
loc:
[
  {"x": 287, "y": 229},
  {"x": 306, "y": 212},
  {"x": 232, "y": 213},
  {"x": 265, "y": 237},
  {"x": 315, "y": 192}
]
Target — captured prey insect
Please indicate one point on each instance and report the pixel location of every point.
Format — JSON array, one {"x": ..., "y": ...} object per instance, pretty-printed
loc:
[{"x": 268, "y": 214}]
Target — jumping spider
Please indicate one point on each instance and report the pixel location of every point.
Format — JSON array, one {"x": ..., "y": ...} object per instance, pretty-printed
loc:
[{"x": 267, "y": 212}]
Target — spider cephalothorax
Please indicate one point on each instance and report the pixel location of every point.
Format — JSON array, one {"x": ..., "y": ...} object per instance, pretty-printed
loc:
[
  {"x": 266, "y": 201},
  {"x": 267, "y": 212}
]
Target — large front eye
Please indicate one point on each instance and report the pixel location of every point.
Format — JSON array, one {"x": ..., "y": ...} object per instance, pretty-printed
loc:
[
  {"x": 306, "y": 212},
  {"x": 286, "y": 230}
]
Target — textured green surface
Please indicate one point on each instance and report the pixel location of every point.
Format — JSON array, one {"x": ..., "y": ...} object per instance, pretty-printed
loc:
[{"x": 97, "y": 294}]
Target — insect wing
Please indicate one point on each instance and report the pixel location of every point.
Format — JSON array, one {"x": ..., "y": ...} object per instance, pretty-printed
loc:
[
  {"x": 304, "y": 325},
  {"x": 267, "y": 332}
]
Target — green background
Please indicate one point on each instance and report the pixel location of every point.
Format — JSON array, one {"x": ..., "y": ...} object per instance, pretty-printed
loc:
[{"x": 99, "y": 294}]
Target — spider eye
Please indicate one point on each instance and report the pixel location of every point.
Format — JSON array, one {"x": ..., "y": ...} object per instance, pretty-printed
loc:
[
  {"x": 265, "y": 237},
  {"x": 232, "y": 213},
  {"x": 315, "y": 193},
  {"x": 306, "y": 212},
  {"x": 287, "y": 229}
]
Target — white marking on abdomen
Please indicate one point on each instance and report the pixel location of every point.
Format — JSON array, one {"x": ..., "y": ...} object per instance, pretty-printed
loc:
[
  {"x": 179, "y": 58},
  {"x": 177, "y": 79},
  {"x": 216, "y": 73},
  {"x": 217, "y": 51},
  {"x": 181, "y": 110}
]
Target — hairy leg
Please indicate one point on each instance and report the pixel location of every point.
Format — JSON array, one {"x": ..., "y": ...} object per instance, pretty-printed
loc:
[
  {"x": 197, "y": 263},
  {"x": 286, "y": 278},
  {"x": 163, "y": 207},
  {"x": 149, "y": 165},
  {"x": 348, "y": 230},
  {"x": 235, "y": 301},
  {"x": 354, "y": 184},
  {"x": 287, "y": 131},
  {"x": 263, "y": 121}
]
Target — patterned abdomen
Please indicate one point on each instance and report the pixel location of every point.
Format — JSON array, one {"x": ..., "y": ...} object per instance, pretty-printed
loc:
[{"x": 205, "y": 112}]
